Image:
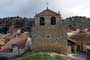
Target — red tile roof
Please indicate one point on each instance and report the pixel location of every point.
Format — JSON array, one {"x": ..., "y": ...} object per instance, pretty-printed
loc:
[{"x": 20, "y": 40}]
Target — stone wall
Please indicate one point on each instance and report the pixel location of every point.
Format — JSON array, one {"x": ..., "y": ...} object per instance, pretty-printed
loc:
[{"x": 48, "y": 37}]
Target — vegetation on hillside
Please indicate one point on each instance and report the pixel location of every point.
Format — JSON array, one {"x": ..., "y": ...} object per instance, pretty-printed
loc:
[
  {"x": 78, "y": 22},
  {"x": 18, "y": 22}
]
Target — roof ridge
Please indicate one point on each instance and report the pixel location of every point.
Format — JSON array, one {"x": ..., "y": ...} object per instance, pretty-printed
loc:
[{"x": 48, "y": 10}]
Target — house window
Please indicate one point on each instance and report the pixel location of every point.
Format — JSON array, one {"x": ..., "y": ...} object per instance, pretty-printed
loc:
[
  {"x": 10, "y": 50},
  {"x": 53, "y": 20},
  {"x": 42, "y": 21}
]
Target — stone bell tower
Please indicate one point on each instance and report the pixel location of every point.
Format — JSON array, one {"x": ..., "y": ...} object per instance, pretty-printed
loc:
[{"x": 48, "y": 33}]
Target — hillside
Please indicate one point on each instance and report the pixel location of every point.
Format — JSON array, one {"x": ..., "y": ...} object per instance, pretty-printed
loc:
[
  {"x": 17, "y": 22},
  {"x": 77, "y": 22}
]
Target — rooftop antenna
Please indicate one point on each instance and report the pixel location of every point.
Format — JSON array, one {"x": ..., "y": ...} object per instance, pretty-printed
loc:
[{"x": 47, "y": 5}]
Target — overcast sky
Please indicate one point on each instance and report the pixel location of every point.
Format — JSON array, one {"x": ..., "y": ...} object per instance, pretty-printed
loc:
[{"x": 28, "y": 8}]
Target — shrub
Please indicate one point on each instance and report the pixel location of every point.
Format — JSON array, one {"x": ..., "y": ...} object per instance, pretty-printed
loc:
[{"x": 42, "y": 56}]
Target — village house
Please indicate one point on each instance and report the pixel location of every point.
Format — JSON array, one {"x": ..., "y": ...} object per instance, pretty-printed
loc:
[
  {"x": 79, "y": 40},
  {"x": 16, "y": 46}
]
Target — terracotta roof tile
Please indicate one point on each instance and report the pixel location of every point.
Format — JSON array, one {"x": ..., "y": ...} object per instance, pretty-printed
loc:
[{"x": 18, "y": 40}]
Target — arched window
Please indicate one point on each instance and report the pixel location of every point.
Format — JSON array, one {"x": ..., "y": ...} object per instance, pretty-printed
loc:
[
  {"x": 42, "y": 21},
  {"x": 53, "y": 20}
]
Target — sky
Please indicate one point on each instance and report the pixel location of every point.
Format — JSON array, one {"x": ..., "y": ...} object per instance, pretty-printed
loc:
[{"x": 28, "y": 8}]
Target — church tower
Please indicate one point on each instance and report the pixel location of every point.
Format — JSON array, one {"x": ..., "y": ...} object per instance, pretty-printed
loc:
[{"x": 48, "y": 33}]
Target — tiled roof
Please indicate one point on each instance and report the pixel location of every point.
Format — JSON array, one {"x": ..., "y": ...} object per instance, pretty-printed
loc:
[
  {"x": 20, "y": 40},
  {"x": 82, "y": 35}
]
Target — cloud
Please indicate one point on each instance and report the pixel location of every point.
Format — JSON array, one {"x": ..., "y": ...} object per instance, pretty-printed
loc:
[{"x": 28, "y": 8}]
